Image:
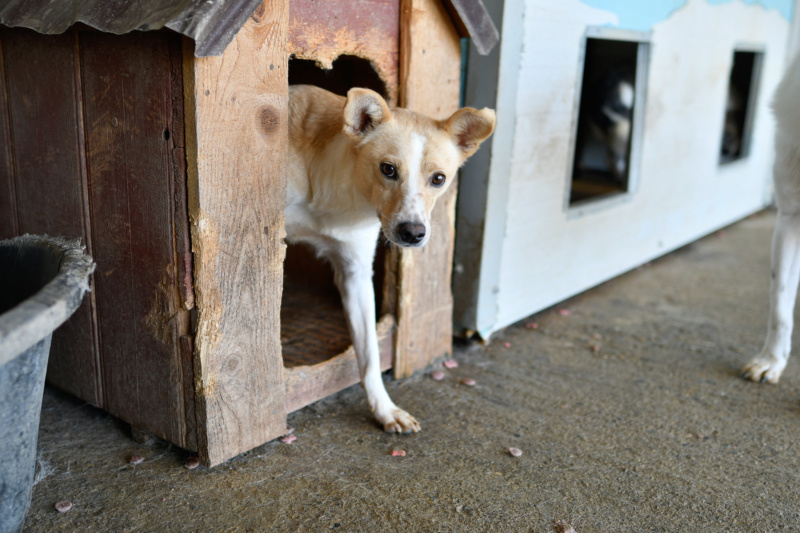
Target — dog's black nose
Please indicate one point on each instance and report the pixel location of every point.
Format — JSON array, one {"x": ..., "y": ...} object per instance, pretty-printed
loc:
[{"x": 411, "y": 232}]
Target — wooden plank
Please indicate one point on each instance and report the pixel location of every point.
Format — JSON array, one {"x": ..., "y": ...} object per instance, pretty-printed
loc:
[
  {"x": 309, "y": 383},
  {"x": 128, "y": 102},
  {"x": 237, "y": 118},
  {"x": 45, "y": 118},
  {"x": 429, "y": 43},
  {"x": 177, "y": 137},
  {"x": 8, "y": 207},
  {"x": 363, "y": 28}
]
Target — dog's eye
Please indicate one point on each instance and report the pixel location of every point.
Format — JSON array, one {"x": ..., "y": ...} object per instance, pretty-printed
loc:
[
  {"x": 388, "y": 170},
  {"x": 437, "y": 180}
]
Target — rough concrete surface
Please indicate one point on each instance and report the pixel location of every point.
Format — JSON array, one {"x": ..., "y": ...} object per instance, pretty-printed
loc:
[{"x": 629, "y": 411}]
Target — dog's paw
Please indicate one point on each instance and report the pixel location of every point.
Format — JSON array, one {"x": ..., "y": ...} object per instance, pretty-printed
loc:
[
  {"x": 398, "y": 421},
  {"x": 765, "y": 368}
]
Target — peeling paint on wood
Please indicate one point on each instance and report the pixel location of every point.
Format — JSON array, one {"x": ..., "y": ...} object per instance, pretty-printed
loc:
[{"x": 369, "y": 29}]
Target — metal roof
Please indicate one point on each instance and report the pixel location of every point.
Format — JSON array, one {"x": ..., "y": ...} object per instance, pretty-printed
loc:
[{"x": 211, "y": 23}]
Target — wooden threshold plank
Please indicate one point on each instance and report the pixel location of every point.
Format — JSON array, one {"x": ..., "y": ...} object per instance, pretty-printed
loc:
[{"x": 307, "y": 384}]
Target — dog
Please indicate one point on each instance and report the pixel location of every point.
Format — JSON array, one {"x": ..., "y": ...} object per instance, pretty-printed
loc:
[
  {"x": 768, "y": 365},
  {"x": 608, "y": 122},
  {"x": 358, "y": 168}
]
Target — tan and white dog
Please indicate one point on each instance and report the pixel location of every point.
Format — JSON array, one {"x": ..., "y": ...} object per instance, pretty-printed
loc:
[
  {"x": 768, "y": 365},
  {"x": 356, "y": 168}
]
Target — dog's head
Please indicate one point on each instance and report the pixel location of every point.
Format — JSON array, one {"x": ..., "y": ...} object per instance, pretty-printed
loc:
[{"x": 405, "y": 161}]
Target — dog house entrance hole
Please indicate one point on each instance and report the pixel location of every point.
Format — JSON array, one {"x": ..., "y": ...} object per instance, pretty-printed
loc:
[
  {"x": 608, "y": 132},
  {"x": 313, "y": 325},
  {"x": 739, "y": 105}
]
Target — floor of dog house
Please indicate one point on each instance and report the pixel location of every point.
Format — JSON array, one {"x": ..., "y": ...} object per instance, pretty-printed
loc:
[
  {"x": 313, "y": 326},
  {"x": 629, "y": 412}
]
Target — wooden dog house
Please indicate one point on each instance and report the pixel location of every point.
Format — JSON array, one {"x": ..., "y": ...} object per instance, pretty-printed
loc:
[{"x": 171, "y": 167}]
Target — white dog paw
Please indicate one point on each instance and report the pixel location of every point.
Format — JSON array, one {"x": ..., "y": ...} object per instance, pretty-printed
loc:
[
  {"x": 398, "y": 421},
  {"x": 765, "y": 368}
]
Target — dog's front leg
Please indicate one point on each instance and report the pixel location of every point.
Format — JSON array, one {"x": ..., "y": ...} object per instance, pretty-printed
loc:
[
  {"x": 768, "y": 365},
  {"x": 354, "y": 280}
]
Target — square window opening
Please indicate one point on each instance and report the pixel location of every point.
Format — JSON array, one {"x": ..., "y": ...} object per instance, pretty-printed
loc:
[{"x": 611, "y": 94}]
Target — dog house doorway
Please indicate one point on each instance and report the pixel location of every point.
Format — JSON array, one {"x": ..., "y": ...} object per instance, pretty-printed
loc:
[
  {"x": 313, "y": 325},
  {"x": 609, "y": 119}
]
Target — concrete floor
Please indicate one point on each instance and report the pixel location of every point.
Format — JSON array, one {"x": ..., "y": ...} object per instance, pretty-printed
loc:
[{"x": 630, "y": 413}]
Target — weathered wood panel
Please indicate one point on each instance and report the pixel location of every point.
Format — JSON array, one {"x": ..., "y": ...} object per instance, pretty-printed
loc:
[
  {"x": 364, "y": 28},
  {"x": 429, "y": 44},
  {"x": 8, "y": 210},
  {"x": 128, "y": 106},
  {"x": 237, "y": 111},
  {"x": 47, "y": 144}
]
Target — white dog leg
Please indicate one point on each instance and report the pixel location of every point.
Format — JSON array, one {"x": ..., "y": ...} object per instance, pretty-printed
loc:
[
  {"x": 768, "y": 365},
  {"x": 354, "y": 280}
]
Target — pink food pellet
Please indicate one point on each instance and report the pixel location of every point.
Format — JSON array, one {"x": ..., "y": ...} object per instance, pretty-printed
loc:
[
  {"x": 532, "y": 325},
  {"x": 136, "y": 459},
  {"x": 564, "y": 312},
  {"x": 437, "y": 375},
  {"x": 398, "y": 453},
  {"x": 192, "y": 462},
  {"x": 469, "y": 382},
  {"x": 507, "y": 344},
  {"x": 451, "y": 363},
  {"x": 288, "y": 439},
  {"x": 595, "y": 348},
  {"x": 63, "y": 506},
  {"x": 516, "y": 452}
]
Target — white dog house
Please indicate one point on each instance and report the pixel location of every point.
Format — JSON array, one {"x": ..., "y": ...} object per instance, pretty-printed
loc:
[{"x": 539, "y": 220}]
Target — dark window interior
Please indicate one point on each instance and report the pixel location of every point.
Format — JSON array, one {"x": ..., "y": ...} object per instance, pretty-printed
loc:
[
  {"x": 602, "y": 150},
  {"x": 738, "y": 115}
]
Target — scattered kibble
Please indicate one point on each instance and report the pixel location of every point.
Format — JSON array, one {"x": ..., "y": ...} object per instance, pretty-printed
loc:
[
  {"x": 469, "y": 382},
  {"x": 136, "y": 459},
  {"x": 288, "y": 439},
  {"x": 192, "y": 462},
  {"x": 63, "y": 506},
  {"x": 532, "y": 325},
  {"x": 451, "y": 363},
  {"x": 437, "y": 375},
  {"x": 564, "y": 312},
  {"x": 515, "y": 452},
  {"x": 562, "y": 526},
  {"x": 398, "y": 453}
]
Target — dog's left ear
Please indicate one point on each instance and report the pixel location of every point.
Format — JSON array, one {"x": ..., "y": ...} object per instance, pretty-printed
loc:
[
  {"x": 470, "y": 127},
  {"x": 363, "y": 111}
]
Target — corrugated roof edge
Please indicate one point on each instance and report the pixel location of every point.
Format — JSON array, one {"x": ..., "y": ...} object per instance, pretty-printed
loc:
[{"x": 211, "y": 24}]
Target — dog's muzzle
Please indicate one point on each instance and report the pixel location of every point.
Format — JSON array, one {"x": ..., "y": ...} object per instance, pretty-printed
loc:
[{"x": 410, "y": 233}]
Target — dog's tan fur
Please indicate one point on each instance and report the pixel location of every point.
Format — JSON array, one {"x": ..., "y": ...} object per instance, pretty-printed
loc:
[{"x": 339, "y": 197}]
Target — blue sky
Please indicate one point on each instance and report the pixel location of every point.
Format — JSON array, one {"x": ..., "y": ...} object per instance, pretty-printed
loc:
[{"x": 642, "y": 15}]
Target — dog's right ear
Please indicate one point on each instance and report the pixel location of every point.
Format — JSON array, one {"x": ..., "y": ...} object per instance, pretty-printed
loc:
[{"x": 363, "y": 111}]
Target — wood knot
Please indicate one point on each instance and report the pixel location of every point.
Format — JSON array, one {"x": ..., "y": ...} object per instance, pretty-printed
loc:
[
  {"x": 269, "y": 119},
  {"x": 258, "y": 15}
]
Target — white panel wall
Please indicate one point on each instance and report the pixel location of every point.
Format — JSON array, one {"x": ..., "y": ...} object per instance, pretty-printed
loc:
[{"x": 548, "y": 252}]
